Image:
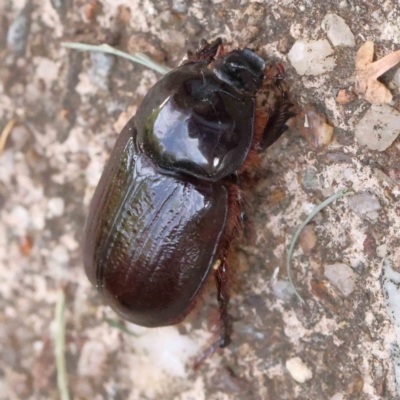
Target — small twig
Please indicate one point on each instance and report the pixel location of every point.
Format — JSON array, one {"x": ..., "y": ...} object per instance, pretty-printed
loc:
[
  {"x": 5, "y": 133},
  {"x": 119, "y": 325},
  {"x": 62, "y": 380},
  {"x": 317, "y": 209},
  {"x": 105, "y": 48}
]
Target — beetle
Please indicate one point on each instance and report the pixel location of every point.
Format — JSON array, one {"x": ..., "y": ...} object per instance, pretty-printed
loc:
[{"x": 169, "y": 203}]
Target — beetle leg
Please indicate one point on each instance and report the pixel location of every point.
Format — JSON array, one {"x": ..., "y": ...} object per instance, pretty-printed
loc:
[
  {"x": 276, "y": 124},
  {"x": 222, "y": 281},
  {"x": 206, "y": 51},
  {"x": 276, "y": 73}
]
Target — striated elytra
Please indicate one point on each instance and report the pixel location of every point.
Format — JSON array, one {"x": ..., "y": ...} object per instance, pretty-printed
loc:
[{"x": 168, "y": 204}]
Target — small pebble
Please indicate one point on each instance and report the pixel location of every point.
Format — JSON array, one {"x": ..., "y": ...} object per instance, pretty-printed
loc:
[
  {"x": 55, "y": 207},
  {"x": 101, "y": 68},
  {"x": 314, "y": 128},
  {"x": 338, "y": 396},
  {"x": 379, "y": 127},
  {"x": 365, "y": 205},
  {"x": 18, "y": 219},
  {"x": 381, "y": 250},
  {"x": 254, "y": 13},
  {"x": 338, "y": 31},
  {"x": 377, "y": 16},
  {"x": 19, "y": 136},
  {"x": 338, "y": 157},
  {"x": 60, "y": 256},
  {"x": 92, "y": 359},
  {"x": 312, "y": 57},
  {"x": 18, "y": 32},
  {"x": 327, "y": 192},
  {"x": 299, "y": 371},
  {"x": 396, "y": 78},
  {"x": 391, "y": 288},
  {"x": 180, "y": 6},
  {"x": 282, "y": 289},
  {"x": 61, "y": 6},
  {"x": 308, "y": 239},
  {"x": 345, "y": 96},
  {"x": 310, "y": 180},
  {"x": 348, "y": 173},
  {"x": 342, "y": 277}
]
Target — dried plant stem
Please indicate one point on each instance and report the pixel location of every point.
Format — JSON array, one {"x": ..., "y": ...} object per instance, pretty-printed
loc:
[
  {"x": 62, "y": 380},
  {"x": 105, "y": 48},
  {"x": 5, "y": 133},
  {"x": 119, "y": 325},
  {"x": 317, "y": 209}
]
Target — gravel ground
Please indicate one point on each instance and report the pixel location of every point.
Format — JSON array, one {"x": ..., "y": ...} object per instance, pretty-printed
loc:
[{"x": 65, "y": 109}]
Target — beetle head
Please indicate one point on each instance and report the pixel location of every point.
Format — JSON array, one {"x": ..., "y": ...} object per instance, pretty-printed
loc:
[{"x": 242, "y": 69}]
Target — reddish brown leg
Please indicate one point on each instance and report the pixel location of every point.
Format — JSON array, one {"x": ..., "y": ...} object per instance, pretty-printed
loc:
[
  {"x": 206, "y": 51},
  {"x": 281, "y": 113},
  {"x": 221, "y": 274},
  {"x": 222, "y": 282}
]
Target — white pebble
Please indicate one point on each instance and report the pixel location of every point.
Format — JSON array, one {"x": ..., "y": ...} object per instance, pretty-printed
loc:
[
  {"x": 391, "y": 285},
  {"x": 60, "y": 256},
  {"x": 283, "y": 290},
  {"x": 348, "y": 173},
  {"x": 299, "y": 371},
  {"x": 379, "y": 127},
  {"x": 312, "y": 57},
  {"x": 55, "y": 207},
  {"x": 338, "y": 31},
  {"x": 365, "y": 205},
  {"x": 46, "y": 69},
  {"x": 92, "y": 359},
  {"x": 381, "y": 250},
  {"x": 101, "y": 68},
  {"x": 391, "y": 292},
  {"x": 396, "y": 78},
  {"x": 342, "y": 277},
  {"x": 338, "y": 396},
  {"x": 18, "y": 219}
]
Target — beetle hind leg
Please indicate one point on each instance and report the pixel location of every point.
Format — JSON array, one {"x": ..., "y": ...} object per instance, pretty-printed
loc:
[
  {"x": 222, "y": 282},
  {"x": 223, "y": 296}
]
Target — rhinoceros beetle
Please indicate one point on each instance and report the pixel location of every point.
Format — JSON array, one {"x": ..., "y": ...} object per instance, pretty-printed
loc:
[{"x": 169, "y": 202}]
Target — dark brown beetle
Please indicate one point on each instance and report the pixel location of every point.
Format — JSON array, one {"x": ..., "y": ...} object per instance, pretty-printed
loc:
[{"x": 168, "y": 203}]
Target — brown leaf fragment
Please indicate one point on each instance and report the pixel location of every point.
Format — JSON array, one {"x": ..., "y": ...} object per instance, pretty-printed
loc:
[{"x": 367, "y": 73}]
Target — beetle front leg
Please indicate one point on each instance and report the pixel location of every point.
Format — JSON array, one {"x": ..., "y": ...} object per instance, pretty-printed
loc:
[
  {"x": 276, "y": 125},
  {"x": 206, "y": 51}
]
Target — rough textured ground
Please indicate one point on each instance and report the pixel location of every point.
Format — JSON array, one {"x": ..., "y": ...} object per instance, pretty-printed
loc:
[{"x": 70, "y": 107}]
